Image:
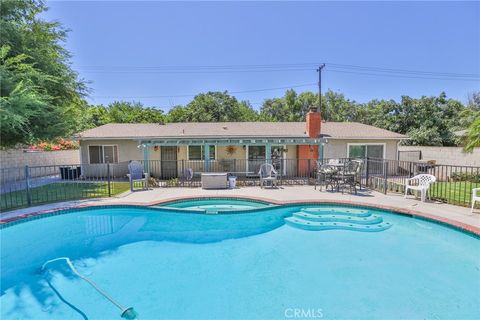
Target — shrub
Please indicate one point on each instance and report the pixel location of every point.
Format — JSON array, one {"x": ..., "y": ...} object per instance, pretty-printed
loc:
[
  {"x": 60, "y": 145},
  {"x": 465, "y": 176}
]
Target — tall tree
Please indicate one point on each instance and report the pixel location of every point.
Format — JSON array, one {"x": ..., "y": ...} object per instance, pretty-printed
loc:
[
  {"x": 41, "y": 96},
  {"x": 290, "y": 108},
  {"x": 473, "y": 136},
  {"x": 123, "y": 112},
  {"x": 213, "y": 107}
]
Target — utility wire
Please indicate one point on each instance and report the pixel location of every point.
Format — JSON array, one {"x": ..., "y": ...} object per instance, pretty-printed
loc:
[
  {"x": 192, "y": 95},
  {"x": 403, "y": 75},
  {"x": 263, "y": 68}
]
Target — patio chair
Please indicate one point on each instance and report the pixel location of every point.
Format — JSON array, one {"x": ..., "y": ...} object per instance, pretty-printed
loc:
[
  {"x": 420, "y": 183},
  {"x": 333, "y": 161},
  {"x": 136, "y": 174},
  {"x": 358, "y": 173},
  {"x": 188, "y": 176},
  {"x": 267, "y": 174},
  {"x": 348, "y": 176},
  {"x": 325, "y": 173},
  {"x": 475, "y": 197}
]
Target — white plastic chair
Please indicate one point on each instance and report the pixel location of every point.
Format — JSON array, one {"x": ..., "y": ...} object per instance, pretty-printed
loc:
[
  {"x": 475, "y": 197},
  {"x": 420, "y": 183},
  {"x": 267, "y": 173},
  {"x": 136, "y": 174}
]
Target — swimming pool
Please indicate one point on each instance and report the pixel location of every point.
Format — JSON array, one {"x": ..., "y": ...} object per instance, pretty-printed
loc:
[{"x": 169, "y": 264}]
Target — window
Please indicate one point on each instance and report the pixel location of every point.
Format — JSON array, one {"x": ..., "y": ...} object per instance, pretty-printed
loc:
[
  {"x": 366, "y": 150},
  {"x": 103, "y": 154},
  {"x": 256, "y": 152},
  {"x": 197, "y": 153}
]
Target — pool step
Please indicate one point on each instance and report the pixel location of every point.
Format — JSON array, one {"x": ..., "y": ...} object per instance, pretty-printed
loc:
[
  {"x": 371, "y": 219},
  {"x": 337, "y": 211},
  {"x": 328, "y": 218},
  {"x": 318, "y": 226}
]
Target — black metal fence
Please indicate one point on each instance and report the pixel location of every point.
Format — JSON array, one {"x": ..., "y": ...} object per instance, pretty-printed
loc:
[
  {"x": 453, "y": 184},
  {"x": 168, "y": 173},
  {"x": 28, "y": 186}
]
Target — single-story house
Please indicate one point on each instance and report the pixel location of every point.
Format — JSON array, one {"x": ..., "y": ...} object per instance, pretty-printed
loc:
[{"x": 240, "y": 146}]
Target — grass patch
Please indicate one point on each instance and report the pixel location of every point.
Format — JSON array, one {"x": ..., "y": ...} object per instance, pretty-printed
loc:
[
  {"x": 62, "y": 191},
  {"x": 459, "y": 192}
]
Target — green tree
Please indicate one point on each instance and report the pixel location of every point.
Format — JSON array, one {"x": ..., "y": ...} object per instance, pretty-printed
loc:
[
  {"x": 41, "y": 96},
  {"x": 214, "y": 107},
  {"x": 122, "y": 112},
  {"x": 290, "y": 108},
  {"x": 339, "y": 109},
  {"x": 473, "y": 137},
  {"x": 177, "y": 114}
]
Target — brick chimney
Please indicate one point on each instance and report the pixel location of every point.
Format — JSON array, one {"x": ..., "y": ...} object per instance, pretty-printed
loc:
[{"x": 314, "y": 123}]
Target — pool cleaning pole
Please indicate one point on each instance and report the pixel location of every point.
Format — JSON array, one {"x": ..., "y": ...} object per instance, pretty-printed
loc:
[{"x": 127, "y": 313}]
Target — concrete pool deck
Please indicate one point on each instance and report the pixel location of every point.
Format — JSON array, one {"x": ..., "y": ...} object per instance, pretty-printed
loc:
[{"x": 460, "y": 217}]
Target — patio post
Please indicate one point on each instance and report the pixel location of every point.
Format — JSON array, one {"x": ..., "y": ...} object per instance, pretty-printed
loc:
[
  {"x": 268, "y": 152},
  {"x": 206, "y": 152},
  {"x": 146, "y": 157},
  {"x": 320, "y": 154}
]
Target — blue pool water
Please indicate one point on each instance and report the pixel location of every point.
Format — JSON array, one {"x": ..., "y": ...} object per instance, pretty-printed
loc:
[
  {"x": 216, "y": 205},
  {"x": 174, "y": 265}
]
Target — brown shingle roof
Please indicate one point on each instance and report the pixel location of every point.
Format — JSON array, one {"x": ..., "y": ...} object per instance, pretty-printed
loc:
[{"x": 333, "y": 130}]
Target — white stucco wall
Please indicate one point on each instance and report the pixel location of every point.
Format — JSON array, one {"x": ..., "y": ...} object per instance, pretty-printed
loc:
[{"x": 338, "y": 148}]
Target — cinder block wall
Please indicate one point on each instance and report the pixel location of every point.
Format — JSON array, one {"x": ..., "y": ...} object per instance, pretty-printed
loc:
[
  {"x": 447, "y": 155},
  {"x": 12, "y": 162},
  {"x": 19, "y": 158}
]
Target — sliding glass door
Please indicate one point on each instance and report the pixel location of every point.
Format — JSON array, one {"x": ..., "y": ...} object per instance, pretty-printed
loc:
[{"x": 255, "y": 158}]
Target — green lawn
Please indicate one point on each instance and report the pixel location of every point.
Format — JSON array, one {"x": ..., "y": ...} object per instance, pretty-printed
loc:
[
  {"x": 61, "y": 191},
  {"x": 459, "y": 192}
]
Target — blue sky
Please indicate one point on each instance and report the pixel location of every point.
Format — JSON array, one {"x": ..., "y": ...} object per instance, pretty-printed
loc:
[{"x": 153, "y": 52}]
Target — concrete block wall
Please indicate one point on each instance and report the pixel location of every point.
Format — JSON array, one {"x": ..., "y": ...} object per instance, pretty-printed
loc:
[
  {"x": 447, "y": 155},
  {"x": 19, "y": 158},
  {"x": 13, "y": 162}
]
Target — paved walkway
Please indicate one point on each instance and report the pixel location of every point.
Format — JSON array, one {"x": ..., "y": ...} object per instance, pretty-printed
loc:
[{"x": 459, "y": 216}]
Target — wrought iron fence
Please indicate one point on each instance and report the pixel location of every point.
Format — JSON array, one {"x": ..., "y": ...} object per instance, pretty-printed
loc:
[
  {"x": 27, "y": 186},
  {"x": 453, "y": 184},
  {"x": 170, "y": 173}
]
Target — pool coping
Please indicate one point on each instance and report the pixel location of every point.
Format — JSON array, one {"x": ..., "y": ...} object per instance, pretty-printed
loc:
[{"x": 473, "y": 230}]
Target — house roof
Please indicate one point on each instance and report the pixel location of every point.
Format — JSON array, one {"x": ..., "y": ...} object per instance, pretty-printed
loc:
[{"x": 218, "y": 130}]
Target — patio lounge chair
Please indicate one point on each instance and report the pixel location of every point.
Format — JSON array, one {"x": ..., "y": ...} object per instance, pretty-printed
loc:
[
  {"x": 475, "y": 197},
  {"x": 267, "y": 174},
  {"x": 136, "y": 174},
  {"x": 420, "y": 183}
]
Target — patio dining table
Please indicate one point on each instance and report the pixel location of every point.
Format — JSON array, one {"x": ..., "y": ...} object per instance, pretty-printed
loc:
[{"x": 334, "y": 174}]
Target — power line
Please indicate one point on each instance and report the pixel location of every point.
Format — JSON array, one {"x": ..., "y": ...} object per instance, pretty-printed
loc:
[
  {"x": 263, "y": 68},
  {"x": 192, "y": 95},
  {"x": 402, "y": 75}
]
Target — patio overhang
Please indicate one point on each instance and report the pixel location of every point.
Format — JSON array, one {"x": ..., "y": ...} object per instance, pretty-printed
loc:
[
  {"x": 237, "y": 141},
  {"x": 206, "y": 142}
]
